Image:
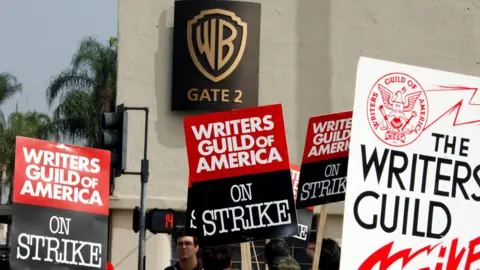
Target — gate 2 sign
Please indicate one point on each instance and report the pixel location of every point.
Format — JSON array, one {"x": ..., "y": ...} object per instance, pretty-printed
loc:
[{"x": 216, "y": 55}]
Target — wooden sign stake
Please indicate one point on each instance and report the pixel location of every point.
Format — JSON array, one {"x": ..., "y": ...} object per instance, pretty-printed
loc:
[
  {"x": 246, "y": 257},
  {"x": 320, "y": 232},
  {"x": 266, "y": 265},
  {"x": 255, "y": 254}
]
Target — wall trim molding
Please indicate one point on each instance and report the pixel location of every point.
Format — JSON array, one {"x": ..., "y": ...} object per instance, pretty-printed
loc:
[{"x": 129, "y": 202}]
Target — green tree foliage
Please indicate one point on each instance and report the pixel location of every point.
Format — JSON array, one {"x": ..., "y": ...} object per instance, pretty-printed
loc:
[
  {"x": 9, "y": 86},
  {"x": 27, "y": 124},
  {"x": 85, "y": 90}
]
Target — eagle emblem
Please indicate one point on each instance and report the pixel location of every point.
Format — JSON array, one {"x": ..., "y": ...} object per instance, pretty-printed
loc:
[
  {"x": 398, "y": 104},
  {"x": 397, "y": 109}
]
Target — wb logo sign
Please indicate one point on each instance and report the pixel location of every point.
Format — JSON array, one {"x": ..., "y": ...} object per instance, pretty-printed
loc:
[{"x": 216, "y": 42}]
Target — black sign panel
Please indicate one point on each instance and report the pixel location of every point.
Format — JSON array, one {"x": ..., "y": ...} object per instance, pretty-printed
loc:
[
  {"x": 216, "y": 55},
  {"x": 190, "y": 220},
  {"x": 304, "y": 219},
  {"x": 261, "y": 212},
  {"x": 68, "y": 239}
]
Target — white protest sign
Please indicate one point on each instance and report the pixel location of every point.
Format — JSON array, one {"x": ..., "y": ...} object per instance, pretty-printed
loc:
[{"x": 413, "y": 176}]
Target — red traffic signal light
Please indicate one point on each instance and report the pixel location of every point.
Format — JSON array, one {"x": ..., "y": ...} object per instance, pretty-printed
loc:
[
  {"x": 156, "y": 221},
  {"x": 160, "y": 221}
]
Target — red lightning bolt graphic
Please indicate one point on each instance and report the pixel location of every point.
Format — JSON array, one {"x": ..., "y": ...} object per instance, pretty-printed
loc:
[
  {"x": 382, "y": 256},
  {"x": 457, "y": 107}
]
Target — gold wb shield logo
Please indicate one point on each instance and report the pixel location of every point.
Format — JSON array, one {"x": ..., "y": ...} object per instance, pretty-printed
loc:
[{"x": 216, "y": 42}]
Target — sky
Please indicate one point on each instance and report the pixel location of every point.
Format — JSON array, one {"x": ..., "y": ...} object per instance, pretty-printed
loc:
[{"x": 39, "y": 37}]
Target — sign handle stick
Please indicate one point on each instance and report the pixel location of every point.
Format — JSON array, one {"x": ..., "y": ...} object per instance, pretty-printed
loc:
[
  {"x": 246, "y": 257},
  {"x": 256, "y": 257},
  {"x": 320, "y": 232},
  {"x": 266, "y": 242}
]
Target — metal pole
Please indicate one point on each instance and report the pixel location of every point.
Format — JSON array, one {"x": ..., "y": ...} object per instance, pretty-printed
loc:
[
  {"x": 143, "y": 199},
  {"x": 144, "y": 173}
]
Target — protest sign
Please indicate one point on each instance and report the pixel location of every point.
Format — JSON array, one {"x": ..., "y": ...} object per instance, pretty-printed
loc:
[
  {"x": 190, "y": 219},
  {"x": 413, "y": 174},
  {"x": 60, "y": 206},
  {"x": 239, "y": 167},
  {"x": 304, "y": 216},
  {"x": 325, "y": 160}
]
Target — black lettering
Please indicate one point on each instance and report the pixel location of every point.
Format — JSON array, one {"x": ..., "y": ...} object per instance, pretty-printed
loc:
[
  {"x": 430, "y": 233},
  {"x": 449, "y": 145},
  {"x": 437, "y": 140},
  {"x": 416, "y": 216},
  {"x": 441, "y": 177},
  {"x": 383, "y": 214},
  {"x": 464, "y": 147},
  {"x": 426, "y": 160},
  {"x": 356, "y": 214},
  {"x": 405, "y": 216},
  {"x": 477, "y": 180},
  {"x": 413, "y": 173},
  {"x": 394, "y": 171},
  {"x": 458, "y": 181},
  {"x": 373, "y": 160}
]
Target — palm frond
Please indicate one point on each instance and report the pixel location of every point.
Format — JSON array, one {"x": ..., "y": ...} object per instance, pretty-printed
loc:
[
  {"x": 2, "y": 120},
  {"x": 9, "y": 86},
  {"x": 89, "y": 57},
  {"x": 67, "y": 80},
  {"x": 76, "y": 114}
]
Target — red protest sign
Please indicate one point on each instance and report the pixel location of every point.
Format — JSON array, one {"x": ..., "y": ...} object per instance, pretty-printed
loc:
[
  {"x": 295, "y": 171},
  {"x": 325, "y": 159},
  {"x": 226, "y": 144},
  {"x": 328, "y": 137},
  {"x": 240, "y": 155},
  {"x": 61, "y": 176},
  {"x": 60, "y": 205}
]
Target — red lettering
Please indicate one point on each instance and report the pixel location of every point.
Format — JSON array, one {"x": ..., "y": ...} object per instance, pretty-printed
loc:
[
  {"x": 384, "y": 258},
  {"x": 472, "y": 255},
  {"x": 454, "y": 259},
  {"x": 169, "y": 221}
]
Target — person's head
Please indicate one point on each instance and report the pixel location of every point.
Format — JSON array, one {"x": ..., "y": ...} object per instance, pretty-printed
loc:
[
  {"x": 217, "y": 258},
  {"x": 284, "y": 263},
  {"x": 330, "y": 255},
  {"x": 187, "y": 246},
  {"x": 274, "y": 249}
]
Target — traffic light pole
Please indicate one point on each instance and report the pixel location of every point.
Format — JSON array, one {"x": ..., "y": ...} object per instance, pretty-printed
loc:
[{"x": 144, "y": 173}]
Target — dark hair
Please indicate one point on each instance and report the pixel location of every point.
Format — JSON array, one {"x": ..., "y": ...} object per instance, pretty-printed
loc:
[
  {"x": 276, "y": 248},
  {"x": 181, "y": 233},
  {"x": 216, "y": 258},
  {"x": 330, "y": 255}
]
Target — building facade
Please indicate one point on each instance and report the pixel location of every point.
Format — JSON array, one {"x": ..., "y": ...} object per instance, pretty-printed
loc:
[{"x": 308, "y": 56}]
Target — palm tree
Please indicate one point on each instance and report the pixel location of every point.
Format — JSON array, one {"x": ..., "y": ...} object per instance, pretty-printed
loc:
[
  {"x": 9, "y": 86},
  {"x": 27, "y": 124},
  {"x": 85, "y": 90}
]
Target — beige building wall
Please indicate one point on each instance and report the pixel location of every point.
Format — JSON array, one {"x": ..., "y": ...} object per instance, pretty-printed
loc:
[{"x": 309, "y": 53}]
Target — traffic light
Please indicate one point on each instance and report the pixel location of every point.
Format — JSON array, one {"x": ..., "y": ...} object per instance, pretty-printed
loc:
[
  {"x": 114, "y": 138},
  {"x": 160, "y": 221},
  {"x": 136, "y": 219},
  {"x": 156, "y": 220}
]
